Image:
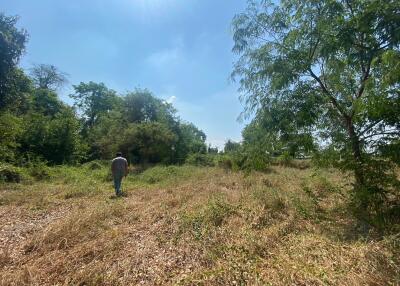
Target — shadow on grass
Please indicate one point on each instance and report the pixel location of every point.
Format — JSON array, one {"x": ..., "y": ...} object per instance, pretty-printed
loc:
[{"x": 119, "y": 197}]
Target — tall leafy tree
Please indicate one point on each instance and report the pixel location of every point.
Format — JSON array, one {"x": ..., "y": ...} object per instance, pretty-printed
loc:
[
  {"x": 10, "y": 131},
  {"x": 231, "y": 146},
  {"x": 13, "y": 83},
  {"x": 142, "y": 106},
  {"x": 93, "y": 100},
  {"x": 54, "y": 139},
  {"x": 337, "y": 56},
  {"x": 190, "y": 140},
  {"x": 148, "y": 142},
  {"x": 48, "y": 77},
  {"x": 46, "y": 102}
]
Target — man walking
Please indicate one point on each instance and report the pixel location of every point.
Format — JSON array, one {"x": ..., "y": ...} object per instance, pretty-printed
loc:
[{"x": 119, "y": 169}]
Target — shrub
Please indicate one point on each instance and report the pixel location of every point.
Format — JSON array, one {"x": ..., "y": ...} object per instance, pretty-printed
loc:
[
  {"x": 39, "y": 170},
  {"x": 157, "y": 174},
  {"x": 10, "y": 130},
  {"x": 328, "y": 157},
  {"x": 96, "y": 165},
  {"x": 225, "y": 162},
  {"x": 198, "y": 159},
  {"x": 285, "y": 159},
  {"x": 10, "y": 174},
  {"x": 165, "y": 174},
  {"x": 253, "y": 159},
  {"x": 217, "y": 210}
]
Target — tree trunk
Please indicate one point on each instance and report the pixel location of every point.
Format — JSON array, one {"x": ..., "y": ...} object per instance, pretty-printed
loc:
[{"x": 356, "y": 148}]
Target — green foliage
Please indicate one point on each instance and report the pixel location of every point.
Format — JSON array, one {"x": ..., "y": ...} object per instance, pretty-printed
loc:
[
  {"x": 198, "y": 159},
  {"x": 12, "y": 45},
  {"x": 328, "y": 157},
  {"x": 94, "y": 99},
  {"x": 97, "y": 165},
  {"x": 15, "y": 93},
  {"x": 10, "y": 174},
  {"x": 380, "y": 196},
  {"x": 225, "y": 161},
  {"x": 142, "y": 106},
  {"x": 256, "y": 137},
  {"x": 285, "y": 159},
  {"x": 231, "y": 146},
  {"x": 158, "y": 174},
  {"x": 281, "y": 127},
  {"x": 190, "y": 140},
  {"x": 165, "y": 174},
  {"x": 246, "y": 158},
  {"x": 145, "y": 129},
  {"x": 212, "y": 150},
  {"x": 255, "y": 158},
  {"x": 46, "y": 102},
  {"x": 323, "y": 69},
  {"x": 55, "y": 140},
  {"x": 10, "y": 131},
  {"x": 38, "y": 170},
  {"x": 36, "y": 125},
  {"x": 47, "y": 77},
  {"x": 391, "y": 151},
  {"x": 150, "y": 142}
]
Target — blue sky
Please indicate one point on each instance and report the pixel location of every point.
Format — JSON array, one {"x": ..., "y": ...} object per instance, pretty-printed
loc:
[{"x": 179, "y": 49}]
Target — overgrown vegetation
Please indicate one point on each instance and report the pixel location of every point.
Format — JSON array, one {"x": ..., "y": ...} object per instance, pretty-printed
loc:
[
  {"x": 325, "y": 71},
  {"x": 191, "y": 225},
  {"x": 36, "y": 125},
  {"x": 310, "y": 196}
]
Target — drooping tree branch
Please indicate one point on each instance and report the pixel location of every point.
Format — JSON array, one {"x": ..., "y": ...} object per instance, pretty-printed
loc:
[
  {"x": 382, "y": 134},
  {"x": 327, "y": 93},
  {"x": 369, "y": 127}
]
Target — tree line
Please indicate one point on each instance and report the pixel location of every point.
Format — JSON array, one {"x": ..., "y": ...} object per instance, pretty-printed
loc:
[
  {"x": 319, "y": 78},
  {"x": 36, "y": 125}
]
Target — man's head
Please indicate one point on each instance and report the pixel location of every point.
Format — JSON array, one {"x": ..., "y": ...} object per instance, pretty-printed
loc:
[{"x": 119, "y": 154}]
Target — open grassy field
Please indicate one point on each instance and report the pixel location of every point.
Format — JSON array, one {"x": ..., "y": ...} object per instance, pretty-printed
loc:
[{"x": 190, "y": 226}]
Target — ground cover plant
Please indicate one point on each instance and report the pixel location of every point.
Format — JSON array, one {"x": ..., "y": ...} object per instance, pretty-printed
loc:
[{"x": 191, "y": 225}]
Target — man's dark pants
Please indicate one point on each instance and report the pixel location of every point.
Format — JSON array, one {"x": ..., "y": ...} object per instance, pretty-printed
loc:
[{"x": 117, "y": 183}]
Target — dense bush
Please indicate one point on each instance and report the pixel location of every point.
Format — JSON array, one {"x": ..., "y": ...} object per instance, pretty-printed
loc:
[
  {"x": 163, "y": 174},
  {"x": 285, "y": 159},
  {"x": 97, "y": 164},
  {"x": 253, "y": 159},
  {"x": 10, "y": 174},
  {"x": 198, "y": 159},
  {"x": 225, "y": 161},
  {"x": 38, "y": 170},
  {"x": 328, "y": 157},
  {"x": 10, "y": 131}
]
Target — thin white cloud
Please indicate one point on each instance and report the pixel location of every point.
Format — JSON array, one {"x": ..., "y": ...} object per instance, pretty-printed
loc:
[
  {"x": 168, "y": 94},
  {"x": 167, "y": 58},
  {"x": 171, "y": 99},
  {"x": 164, "y": 58}
]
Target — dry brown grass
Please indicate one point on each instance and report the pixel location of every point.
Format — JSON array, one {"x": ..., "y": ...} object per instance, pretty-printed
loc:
[{"x": 196, "y": 226}]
